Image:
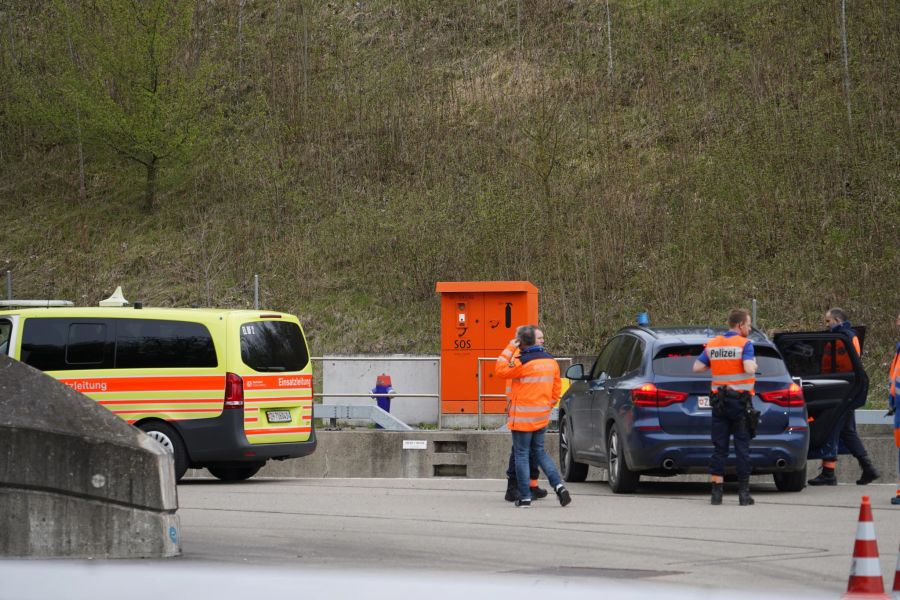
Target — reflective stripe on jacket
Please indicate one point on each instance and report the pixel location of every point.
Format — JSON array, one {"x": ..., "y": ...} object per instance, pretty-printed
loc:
[
  {"x": 533, "y": 389},
  {"x": 727, "y": 364}
]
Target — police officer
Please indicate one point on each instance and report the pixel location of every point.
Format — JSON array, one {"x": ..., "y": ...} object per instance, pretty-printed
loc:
[
  {"x": 535, "y": 388},
  {"x": 732, "y": 361},
  {"x": 894, "y": 409},
  {"x": 835, "y": 359}
]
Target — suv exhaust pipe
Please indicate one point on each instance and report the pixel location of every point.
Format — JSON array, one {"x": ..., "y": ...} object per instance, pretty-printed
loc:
[
  {"x": 781, "y": 463},
  {"x": 668, "y": 464}
]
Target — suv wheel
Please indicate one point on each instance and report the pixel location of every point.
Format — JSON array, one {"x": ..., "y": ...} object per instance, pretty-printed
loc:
[
  {"x": 622, "y": 480},
  {"x": 791, "y": 481},
  {"x": 571, "y": 469}
]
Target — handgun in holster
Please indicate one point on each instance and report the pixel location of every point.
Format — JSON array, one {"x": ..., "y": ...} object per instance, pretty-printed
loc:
[{"x": 751, "y": 415}]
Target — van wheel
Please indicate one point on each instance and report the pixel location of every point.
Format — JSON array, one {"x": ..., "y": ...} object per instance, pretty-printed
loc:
[
  {"x": 622, "y": 480},
  {"x": 571, "y": 469},
  {"x": 236, "y": 473},
  {"x": 792, "y": 481},
  {"x": 166, "y": 435}
]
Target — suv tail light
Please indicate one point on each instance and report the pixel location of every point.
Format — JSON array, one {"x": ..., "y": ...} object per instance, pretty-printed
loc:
[
  {"x": 234, "y": 391},
  {"x": 789, "y": 396},
  {"x": 650, "y": 395}
]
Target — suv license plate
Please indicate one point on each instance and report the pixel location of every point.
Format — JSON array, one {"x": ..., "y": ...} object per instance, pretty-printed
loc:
[
  {"x": 703, "y": 402},
  {"x": 278, "y": 416}
]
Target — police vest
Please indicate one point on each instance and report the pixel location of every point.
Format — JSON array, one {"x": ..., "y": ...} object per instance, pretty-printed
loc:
[{"x": 726, "y": 364}]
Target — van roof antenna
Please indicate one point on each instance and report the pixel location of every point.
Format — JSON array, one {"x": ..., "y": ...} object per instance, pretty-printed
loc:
[{"x": 117, "y": 299}]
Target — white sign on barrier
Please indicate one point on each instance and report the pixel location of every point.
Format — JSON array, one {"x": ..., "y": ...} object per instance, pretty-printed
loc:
[{"x": 415, "y": 444}]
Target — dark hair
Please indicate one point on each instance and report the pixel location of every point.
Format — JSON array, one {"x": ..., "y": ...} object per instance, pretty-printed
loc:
[
  {"x": 526, "y": 336},
  {"x": 737, "y": 316},
  {"x": 839, "y": 313}
]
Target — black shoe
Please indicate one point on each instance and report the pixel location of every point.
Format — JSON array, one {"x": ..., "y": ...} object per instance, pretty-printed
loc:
[
  {"x": 538, "y": 492},
  {"x": 718, "y": 490},
  {"x": 895, "y": 499},
  {"x": 512, "y": 490},
  {"x": 869, "y": 473},
  {"x": 563, "y": 495},
  {"x": 523, "y": 503},
  {"x": 826, "y": 477},
  {"x": 744, "y": 497}
]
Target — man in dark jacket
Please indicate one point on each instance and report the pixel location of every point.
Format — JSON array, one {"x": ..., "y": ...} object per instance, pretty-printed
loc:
[{"x": 836, "y": 359}]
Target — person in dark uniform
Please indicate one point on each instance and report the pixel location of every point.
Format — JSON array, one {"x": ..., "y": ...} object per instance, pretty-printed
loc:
[
  {"x": 732, "y": 361},
  {"x": 836, "y": 359}
]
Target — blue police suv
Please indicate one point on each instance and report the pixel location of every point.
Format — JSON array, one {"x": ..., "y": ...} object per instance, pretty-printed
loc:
[{"x": 640, "y": 409}]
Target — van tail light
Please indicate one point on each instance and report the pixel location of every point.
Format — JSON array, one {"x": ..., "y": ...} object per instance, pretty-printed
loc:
[
  {"x": 787, "y": 397},
  {"x": 234, "y": 391},
  {"x": 650, "y": 395}
]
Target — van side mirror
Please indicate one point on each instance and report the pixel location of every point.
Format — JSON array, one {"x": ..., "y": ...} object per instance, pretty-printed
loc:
[{"x": 575, "y": 372}]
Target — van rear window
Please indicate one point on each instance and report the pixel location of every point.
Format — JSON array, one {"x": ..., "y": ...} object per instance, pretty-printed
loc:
[
  {"x": 678, "y": 361},
  {"x": 273, "y": 346}
]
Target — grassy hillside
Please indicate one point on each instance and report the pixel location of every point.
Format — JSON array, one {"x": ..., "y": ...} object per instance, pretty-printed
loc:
[{"x": 354, "y": 153}]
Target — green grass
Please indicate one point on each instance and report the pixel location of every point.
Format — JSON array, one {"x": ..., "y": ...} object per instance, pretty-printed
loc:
[{"x": 392, "y": 146}]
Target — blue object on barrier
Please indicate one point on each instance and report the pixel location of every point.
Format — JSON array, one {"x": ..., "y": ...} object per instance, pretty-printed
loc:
[
  {"x": 382, "y": 393},
  {"x": 643, "y": 319}
]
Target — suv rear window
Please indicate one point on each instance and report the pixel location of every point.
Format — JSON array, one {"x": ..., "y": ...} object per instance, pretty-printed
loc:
[
  {"x": 273, "y": 346},
  {"x": 678, "y": 361}
]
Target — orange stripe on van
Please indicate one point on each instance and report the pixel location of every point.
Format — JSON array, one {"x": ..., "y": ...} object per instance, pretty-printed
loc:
[
  {"x": 95, "y": 385},
  {"x": 276, "y": 382},
  {"x": 143, "y": 411}
]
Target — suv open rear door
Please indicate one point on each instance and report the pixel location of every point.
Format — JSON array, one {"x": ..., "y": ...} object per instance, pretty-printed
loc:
[{"x": 830, "y": 373}]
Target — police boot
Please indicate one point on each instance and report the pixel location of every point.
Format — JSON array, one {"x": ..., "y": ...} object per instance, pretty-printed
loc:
[
  {"x": 717, "y": 490},
  {"x": 512, "y": 490},
  {"x": 869, "y": 473},
  {"x": 826, "y": 477},
  {"x": 744, "y": 497}
]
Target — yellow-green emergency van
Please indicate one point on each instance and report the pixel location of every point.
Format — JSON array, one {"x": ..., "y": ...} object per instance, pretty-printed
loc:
[{"x": 222, "y": 389}]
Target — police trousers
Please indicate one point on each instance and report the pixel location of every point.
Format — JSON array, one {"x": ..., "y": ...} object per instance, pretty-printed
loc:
[{"x": 729, "y": 421}]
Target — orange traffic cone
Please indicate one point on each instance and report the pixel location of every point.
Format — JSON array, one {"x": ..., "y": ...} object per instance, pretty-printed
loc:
[
  {"x": 865, "y": 570},
  {"x": 896, "y": 591}
]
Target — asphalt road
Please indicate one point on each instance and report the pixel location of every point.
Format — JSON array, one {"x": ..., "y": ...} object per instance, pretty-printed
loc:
[{"x": 667, "y": 533}]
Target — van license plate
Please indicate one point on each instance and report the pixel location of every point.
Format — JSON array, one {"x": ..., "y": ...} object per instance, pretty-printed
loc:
[
  {"x": 278, "y": 416},
  {"x": 703, "y": 402}
]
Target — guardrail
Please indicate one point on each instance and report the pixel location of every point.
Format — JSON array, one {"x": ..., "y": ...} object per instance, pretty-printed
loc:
[
  {"x": 863, "y": 417},
  {"x": 359, "y": 414}
]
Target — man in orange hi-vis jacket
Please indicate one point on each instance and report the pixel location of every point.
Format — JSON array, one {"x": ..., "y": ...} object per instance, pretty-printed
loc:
[{"x": 534, "y": 390}]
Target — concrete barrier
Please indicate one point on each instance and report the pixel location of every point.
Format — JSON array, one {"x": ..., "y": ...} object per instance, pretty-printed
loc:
[
  {"x": 76, "y": 480},
  {"x": 484, "y": 455}
]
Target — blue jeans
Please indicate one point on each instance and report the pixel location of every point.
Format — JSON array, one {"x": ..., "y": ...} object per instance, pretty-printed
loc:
[
  {"x": 532, "y": 466},
  {"x": 526, "y": 443}
]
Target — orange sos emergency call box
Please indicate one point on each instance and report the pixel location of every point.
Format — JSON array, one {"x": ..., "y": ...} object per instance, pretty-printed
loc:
[{"x": 478, "y": 319}]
